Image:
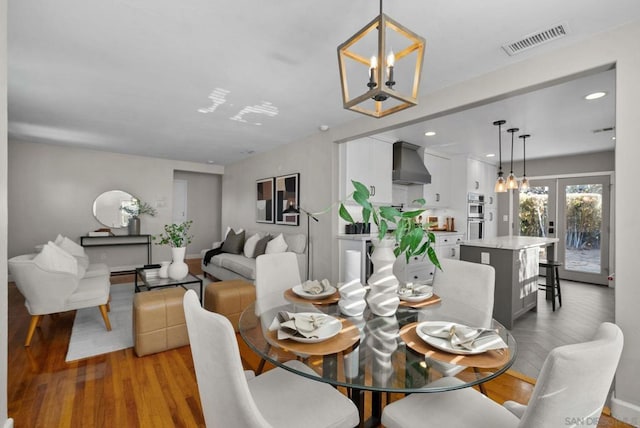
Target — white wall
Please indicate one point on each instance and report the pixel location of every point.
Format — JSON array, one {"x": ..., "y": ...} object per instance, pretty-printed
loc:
[
  {"x": 3, "y": 213},
  {"x": 600, "y": 52},
  {"x": 315, "y": 160},
  {"x": 52, "y": 189}
]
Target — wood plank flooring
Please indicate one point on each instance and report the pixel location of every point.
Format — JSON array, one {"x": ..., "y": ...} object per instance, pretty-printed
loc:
[
  {"x": 584, "y": 308},
  {"x": 120, "y": 389}
]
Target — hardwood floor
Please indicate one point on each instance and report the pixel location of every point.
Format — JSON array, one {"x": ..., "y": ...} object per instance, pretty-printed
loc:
[{"x": 120, "y": 389}]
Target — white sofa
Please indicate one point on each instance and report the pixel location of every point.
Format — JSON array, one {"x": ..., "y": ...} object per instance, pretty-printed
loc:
[{"x": 227, "y": 266}]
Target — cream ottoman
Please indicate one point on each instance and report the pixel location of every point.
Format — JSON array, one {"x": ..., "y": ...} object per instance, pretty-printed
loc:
[
  {"x": 158, "y": 321},
  {"x": 229, "y": 298}
]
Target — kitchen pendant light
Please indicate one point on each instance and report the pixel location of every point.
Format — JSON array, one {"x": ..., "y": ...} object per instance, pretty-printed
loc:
[
  {"x": 384, "y": 70},
  {"x": 512, "y": 181},
  {"x": 524, "y": 184},
  {"x": 501, "y": 185}
]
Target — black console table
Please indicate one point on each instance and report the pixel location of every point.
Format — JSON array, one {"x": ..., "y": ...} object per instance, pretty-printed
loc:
[{"x": 118, "y": 240}]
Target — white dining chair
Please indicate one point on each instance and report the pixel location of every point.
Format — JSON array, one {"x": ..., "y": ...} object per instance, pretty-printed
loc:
[
  {"x": 467, "y": 291},
  {"x": 275, "y": 273},
  {"x": 574, "y": 383},
  {"x": 278, "y": 398}
]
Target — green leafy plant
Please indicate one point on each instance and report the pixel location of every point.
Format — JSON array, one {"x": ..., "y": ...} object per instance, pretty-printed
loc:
[
  {"x": 137, "y": 208},
  {"x": 175, "y": 235},
  {"x": 410, "y": 236}
]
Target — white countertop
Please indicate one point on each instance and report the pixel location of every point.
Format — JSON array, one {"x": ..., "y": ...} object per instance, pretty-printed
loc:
[
  {"x": 511, "y": 242},
  {"x": 368, "y": 236}
]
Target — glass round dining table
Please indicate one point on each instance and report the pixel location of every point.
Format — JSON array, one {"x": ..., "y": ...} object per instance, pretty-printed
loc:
[{"x": 380, "y": 354}]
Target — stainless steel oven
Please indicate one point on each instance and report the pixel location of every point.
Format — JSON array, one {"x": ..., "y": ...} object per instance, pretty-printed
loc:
[
  {"x": 475, "y": 205},
  {"x": 475, "y": 228}
]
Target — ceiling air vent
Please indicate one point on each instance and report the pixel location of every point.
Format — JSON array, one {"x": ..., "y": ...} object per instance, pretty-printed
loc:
[{"x": 536, "y": 39}]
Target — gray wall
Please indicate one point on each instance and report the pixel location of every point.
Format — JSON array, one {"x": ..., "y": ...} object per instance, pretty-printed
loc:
[
  {"x": 3, "y": 213},
  {"x": 204, "y": 195},
  {"x": 52, "y": 188}
]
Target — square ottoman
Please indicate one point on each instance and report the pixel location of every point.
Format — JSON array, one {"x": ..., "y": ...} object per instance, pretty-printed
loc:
[
  {"x": 229, "y": 298},
  {"x": 158, "y": 321}
]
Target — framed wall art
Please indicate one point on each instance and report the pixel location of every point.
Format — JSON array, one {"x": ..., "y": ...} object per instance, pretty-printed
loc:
[
  {"x": 264, "y": 200},
  {"x": 288, "y": 199}
]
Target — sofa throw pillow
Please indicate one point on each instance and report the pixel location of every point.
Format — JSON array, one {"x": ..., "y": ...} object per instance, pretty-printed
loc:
[
  {"x": 276, "y": 245},
  {"x": 234, "y": 242},
  {"x": 229, "y": 229},
  {"x": 71, "y": 247},
  {"x": 55, "y": 258},
  {"x": 250, "y": 245},
  {"x": 261, "y": 246}
]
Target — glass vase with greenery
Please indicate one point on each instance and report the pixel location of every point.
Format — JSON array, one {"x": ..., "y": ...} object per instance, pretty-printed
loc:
[
  {"x": 175, "y": 235},
  {"x": 411, "y": 237}
]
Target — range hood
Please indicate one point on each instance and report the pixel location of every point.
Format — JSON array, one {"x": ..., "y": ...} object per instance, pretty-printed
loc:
[{"x": 408, "y": 167}]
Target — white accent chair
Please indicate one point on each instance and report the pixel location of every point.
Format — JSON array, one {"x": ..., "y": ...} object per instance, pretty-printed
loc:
[
  {"x": 573, "y": 385},
  {"x": 48, "y": 292},
  {"x": 275, "y": 273},
  {"x": 277, "y": 398},
  {"x": 467, "y": 291}
]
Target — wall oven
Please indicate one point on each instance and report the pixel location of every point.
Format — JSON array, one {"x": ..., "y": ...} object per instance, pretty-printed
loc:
[
  {"x": 475, "y": 205},
  {"x": 475, "y": 228}
]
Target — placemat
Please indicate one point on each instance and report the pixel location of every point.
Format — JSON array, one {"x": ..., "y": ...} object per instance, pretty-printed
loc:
[
  {"x": 430, "y": 301},
  {"x": 347, "y": 338},
  {"x": 489, "y": 359},
  {"x": 294, "y": 298}
]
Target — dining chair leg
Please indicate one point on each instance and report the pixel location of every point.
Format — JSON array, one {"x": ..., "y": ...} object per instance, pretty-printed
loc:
[
  {"x": 35, "y": 320},
  {"x": 558, "y": 284},
  {"x": 105, "y": 317},
  {"x": 262, "y": 361}
]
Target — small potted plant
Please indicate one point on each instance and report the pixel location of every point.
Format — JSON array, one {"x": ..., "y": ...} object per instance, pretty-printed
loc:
[
  {"x": 409, "y": 238},
  {"x": 177, "y": 237},
  {"x": 134, "y": 210}
]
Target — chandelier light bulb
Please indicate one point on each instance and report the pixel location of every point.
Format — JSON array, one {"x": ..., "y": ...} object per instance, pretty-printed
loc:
[{"x": 524, "y": 184}]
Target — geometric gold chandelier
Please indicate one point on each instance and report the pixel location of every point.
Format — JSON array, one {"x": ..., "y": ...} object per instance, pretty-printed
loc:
[{"x": 383, "y": 67}]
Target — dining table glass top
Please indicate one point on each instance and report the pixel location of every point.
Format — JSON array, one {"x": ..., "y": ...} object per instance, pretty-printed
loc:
[{"x": 379, "y": 353}]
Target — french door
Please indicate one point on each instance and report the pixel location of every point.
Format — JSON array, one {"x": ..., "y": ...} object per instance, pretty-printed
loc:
[{"x": 576, "y": 210}]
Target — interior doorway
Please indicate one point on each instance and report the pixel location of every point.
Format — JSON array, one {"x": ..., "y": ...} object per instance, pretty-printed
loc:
[{"x": 180, "y": 193}]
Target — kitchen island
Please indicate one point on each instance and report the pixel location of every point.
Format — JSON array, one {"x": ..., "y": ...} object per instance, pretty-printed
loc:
[{"x": 515, "y": 259}]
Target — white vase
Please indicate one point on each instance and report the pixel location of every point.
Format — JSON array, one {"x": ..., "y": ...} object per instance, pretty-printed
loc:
[
  {"x": 178, "y": 269},
  {"x": 164, "y": 270},
  {"x": 383, "y": 297}
]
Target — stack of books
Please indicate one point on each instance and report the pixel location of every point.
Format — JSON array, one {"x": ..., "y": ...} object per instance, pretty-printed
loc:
[
  {"x": 151, "y": 273},
  {"x": 98, "y": 233}
]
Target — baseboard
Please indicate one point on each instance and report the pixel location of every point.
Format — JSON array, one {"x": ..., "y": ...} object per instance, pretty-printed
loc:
[
  {"x": 8, "y": 423},
  {"x": 625, "y": 412}
]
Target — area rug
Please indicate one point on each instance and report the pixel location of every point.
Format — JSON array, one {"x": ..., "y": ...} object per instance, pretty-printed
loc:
[{"x": 89, "y": 336}]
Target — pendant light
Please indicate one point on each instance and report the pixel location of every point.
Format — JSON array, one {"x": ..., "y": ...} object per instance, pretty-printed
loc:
[
  {"x": 501, "y": 186},
  {"x": 377, "y": 95},
  {"x": 512, "y": 181},
  {"x": 524, "y": 184}
]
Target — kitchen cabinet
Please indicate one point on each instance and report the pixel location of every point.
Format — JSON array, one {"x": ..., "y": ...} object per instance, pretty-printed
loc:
[
  {"x": 437, "y": 194},
  {"x": 420, "y": 269},
  {"x": 370, "y": 162}
]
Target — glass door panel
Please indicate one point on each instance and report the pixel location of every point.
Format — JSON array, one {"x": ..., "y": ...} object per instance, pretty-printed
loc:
[
  {"x": 584, "y": 214},
  {"x": 535, "y": 211}
]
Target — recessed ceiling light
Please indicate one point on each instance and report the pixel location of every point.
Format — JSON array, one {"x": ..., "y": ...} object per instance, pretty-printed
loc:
[
  {"x": 209, "y": 161},
  {"x": 323, "y": 128},
  {"x": 430, "y": 133},
  {"x": 491, "y": 155},
  {"x": 595, "y": 95}
]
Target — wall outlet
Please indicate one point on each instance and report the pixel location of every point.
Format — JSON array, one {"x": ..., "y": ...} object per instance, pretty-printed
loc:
[
  {"x": 505, "y": 217},
  {"x": 485, "y": 258}
]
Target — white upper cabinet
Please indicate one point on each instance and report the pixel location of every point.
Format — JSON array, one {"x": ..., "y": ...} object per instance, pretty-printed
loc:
[
  {"x": 437, "y": 194},
  {"x": 370, "y": 162}
]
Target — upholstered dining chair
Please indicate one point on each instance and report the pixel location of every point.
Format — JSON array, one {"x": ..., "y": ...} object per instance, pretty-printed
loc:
[
  {"x": 49, "y": 291},
  {"x": 573, "y": 383},
  {"x": 278, "y": 398},
  {"x": 467, "y": 292},
  {"x": 275, "y": 273}
]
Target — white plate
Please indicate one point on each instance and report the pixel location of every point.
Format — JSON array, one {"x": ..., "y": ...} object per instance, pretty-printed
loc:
[
  {"x": 298, "y": 291},
  {"x": 415, "y": 297},
  {"x": 440, "y": 343},
  {"x": 327, "y": 330}
]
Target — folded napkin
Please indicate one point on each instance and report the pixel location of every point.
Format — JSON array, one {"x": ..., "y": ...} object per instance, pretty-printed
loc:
[
  {"x": 466, "y": 338},
  {"x": 316, "y": 287},
  {"x": 415, "y": 291},
  {"x": 291, "y": 324}
]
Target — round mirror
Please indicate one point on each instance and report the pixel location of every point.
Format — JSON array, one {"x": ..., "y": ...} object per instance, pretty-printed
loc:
[{"x": 108, "y": 208}]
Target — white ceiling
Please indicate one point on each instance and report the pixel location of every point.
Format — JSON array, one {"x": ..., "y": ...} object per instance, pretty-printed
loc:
[{"x": 130, "y": 76}]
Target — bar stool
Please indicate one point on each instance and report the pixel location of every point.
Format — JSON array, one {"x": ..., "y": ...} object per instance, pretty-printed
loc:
[{"x": 555, "y": 288}]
